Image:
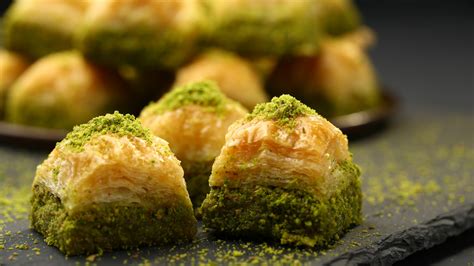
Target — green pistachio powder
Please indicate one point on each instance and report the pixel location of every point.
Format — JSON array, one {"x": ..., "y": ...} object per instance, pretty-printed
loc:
[
  {"x": 285, "y": 215},
  {"x": 204, "y": 93},
  {"x": 283, "y": 110},
  {"x": 116, "y": 123},
  {"x": 19, "y": 34},
  {"x": 108, "y": 226}
]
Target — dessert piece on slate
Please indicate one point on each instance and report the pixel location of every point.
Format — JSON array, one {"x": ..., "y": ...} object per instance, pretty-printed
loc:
[
  {"x": 285, "y": 173},
  {"x": 111, "y": 184},
  {"x": 194, "y": 119}
]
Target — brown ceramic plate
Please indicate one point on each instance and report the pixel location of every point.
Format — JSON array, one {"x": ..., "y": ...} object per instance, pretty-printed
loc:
[
  {"x": 34, "y": 137},
  {"x": 354, "y": 125},
  {"x": 368, "y": 121}
]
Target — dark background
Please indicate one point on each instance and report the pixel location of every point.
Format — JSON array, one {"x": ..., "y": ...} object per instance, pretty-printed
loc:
[
  {"x": 425, "y": 54},
  {"x": 425, "y": 51}
]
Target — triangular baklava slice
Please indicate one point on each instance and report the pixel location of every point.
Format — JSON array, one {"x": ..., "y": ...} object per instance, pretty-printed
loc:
[
  {"x": 285, "y": 173},
  {"x": 111, "y": 184}
]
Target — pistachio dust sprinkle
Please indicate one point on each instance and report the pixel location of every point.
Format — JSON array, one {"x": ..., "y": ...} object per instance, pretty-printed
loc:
[
  {"x": 283, "y": 110},
  {"x": 203, "y": 93},
  {"x": 116, "y": 124}
]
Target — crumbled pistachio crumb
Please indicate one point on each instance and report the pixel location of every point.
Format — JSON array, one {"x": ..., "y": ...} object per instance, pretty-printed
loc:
[
  {"x": 91, "y": 258},
  {"x": 22, "y": 246}
]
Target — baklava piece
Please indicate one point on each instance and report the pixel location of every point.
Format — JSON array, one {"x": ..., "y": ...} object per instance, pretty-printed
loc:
[
  {"x": 278, "y": 27},
  {"x": 285, "y": 173},
  {"x": 223, "y": 68},
  {"x": 110, "y": 184},
  {"x": 265, "y": 27},
  {"x": 340, "y": 79},
  {"x": 62, "y": 90},
  {"x": 193, "y": 119},
  {"x": 40, "y": 27},
  {"x": 141, "y": 33}
]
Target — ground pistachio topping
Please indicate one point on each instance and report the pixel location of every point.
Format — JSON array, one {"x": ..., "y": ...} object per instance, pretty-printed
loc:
[
  {"x": 202, "y": 93},
  {"x": 283, "y": 110},
  {"x": 116, "y": 123}
]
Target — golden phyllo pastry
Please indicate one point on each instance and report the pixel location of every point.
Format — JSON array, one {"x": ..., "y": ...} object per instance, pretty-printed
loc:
[
  {"x": 194, "y": 119},
  {"x": 285, "y": 173},
  {"x": 111, "y": 184},
  {"x": 40, "y": 27},
  {"x": 233, "y": 74},
  {"x": 12, "y": 65}
]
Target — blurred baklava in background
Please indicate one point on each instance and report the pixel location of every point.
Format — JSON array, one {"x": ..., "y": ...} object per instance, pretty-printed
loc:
[{"x": 313, "y": 50}]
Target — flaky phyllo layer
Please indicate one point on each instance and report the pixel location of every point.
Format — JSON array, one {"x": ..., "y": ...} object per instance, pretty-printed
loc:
[
  {"x": 193, "y": 119},
  {"x": 111, "y": 184},
  {"x": 262, "y": 152},
  {"x": 113, "y": 169}
]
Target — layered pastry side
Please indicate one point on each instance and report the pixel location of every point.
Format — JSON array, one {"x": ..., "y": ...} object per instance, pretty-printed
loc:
[
  {"x": 110, "y": 184},
  {"x": 285, "y": 174},
  {"x": 193, "y": 119}
]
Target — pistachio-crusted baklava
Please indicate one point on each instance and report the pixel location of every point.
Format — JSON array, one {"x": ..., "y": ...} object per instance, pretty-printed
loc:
[
  {"x": 12, "y": 65},
  {"x": 64, "y": 89},
  {"x": 40, "y": 27},
  {"x": 285, "y": 173},
  {"x": 111, "y": 184},
  {"x": 194, "y": 119},
  {"x": 141, "y": 33}
]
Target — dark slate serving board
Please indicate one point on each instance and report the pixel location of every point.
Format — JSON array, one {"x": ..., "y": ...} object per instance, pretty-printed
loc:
[{"x": 418, "y": 190}]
